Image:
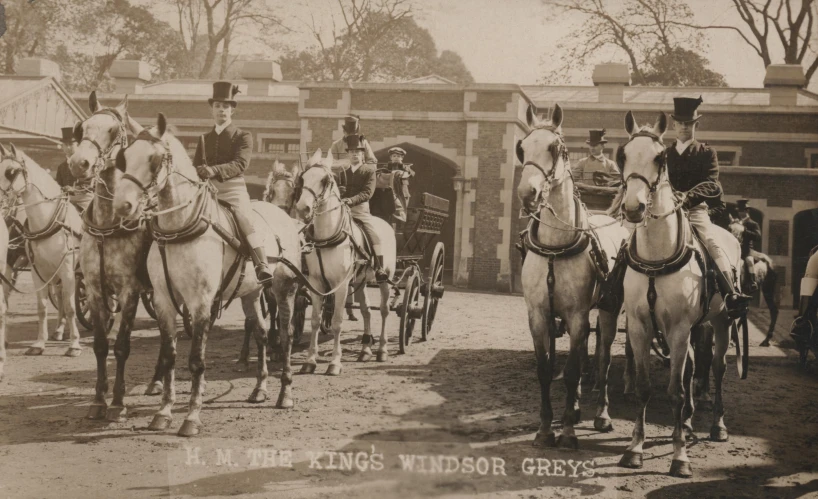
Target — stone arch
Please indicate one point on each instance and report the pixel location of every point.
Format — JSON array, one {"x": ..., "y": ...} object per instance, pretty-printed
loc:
[{"x": 447, "y": 155}]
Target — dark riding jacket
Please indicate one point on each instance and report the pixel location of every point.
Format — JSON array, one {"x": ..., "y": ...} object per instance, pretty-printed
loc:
[
  {"x": 698, "y": 163},
  {"x": 752, "y": 233},
  {"x": 228, "y": 152},
  {"x": 360, "y": 184}
]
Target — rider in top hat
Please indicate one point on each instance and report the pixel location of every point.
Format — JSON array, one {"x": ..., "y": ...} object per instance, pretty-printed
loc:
[
  {"x": 596, "y": 161},
  {"x": 222, "y": 155},
  {"x": 752, "y": 233},
  {"x": 360, "y": 185},
  {"x": 352, "y": 126},
  {"x": 689, "y": 163},
  {"x": 80, "y": 193}
]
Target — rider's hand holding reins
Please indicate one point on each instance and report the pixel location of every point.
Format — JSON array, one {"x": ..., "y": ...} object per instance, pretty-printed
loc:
[{"x": 206, "y": 172}]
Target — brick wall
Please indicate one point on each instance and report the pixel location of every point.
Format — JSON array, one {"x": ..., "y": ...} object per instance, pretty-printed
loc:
[
  {"x": 407, "y": 101},
  {"x": 779, "y": 190},
  {"x": 323, "y": 98},
  {"x": 194, "y": 110},
  {"x": 449, "y": 134},
  {"x": 494, "y": 102},
  {"x": 321, "y": 134},
  {"x": 778, "y": 238}
]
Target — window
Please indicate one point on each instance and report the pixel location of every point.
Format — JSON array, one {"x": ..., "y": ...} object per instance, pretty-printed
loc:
[
  {"x": 280, "y": 146},
  {"x": 726, "y": 157},
  {"x": 779, "y": 238},
  {"x": 813, "y": 160}
]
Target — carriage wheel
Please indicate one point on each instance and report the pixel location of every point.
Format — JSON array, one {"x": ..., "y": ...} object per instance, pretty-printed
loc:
[
  {"x": 81, "y": 303},
  {"x": 433, "y": 290},
  {"x": 299, "y": 315},
  {"x": 410, "y": 310},
  {"x": 147, "y": 302}
]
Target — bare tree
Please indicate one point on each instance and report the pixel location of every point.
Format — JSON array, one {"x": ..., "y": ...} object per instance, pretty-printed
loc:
[{"x": 772, "y": 22}]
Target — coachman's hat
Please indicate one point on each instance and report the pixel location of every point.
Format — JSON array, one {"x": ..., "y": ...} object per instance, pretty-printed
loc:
[
  {"x": 685, "y": 109},
  {"x": 741, "y": 204},
  {"x": 351, "y": 124},
  {"x": 224, "y": 91},
  {"x": 397, "y": 150},
  {"x": 596, "y": 137},
  {"x": 355, "y": 142},
  {"x": 67, "y": 135}
]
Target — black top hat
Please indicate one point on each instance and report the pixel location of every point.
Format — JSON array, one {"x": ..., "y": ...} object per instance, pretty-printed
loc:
[
  {"x": 355, "y": 142},
  {"x": 224, "y": 91},
  {"x": 597, "y": 137},
  {"x": 684, "y": 108},
  {"x": 351, "y": 124},
  {"x": 68, "y": 135},
  {"x": 741, "y": 204}
]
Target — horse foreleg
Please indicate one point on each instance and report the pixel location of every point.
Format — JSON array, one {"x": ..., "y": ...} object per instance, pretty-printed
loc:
[
  {"x": 99, "y": 318},
  {"x": 578, "y": 326},
  {"x": 59, "y": 332},
  {"x": 334, "y": 367},
  {"x": 383, "y": 350},
  {"x": 368, "y": 340},
  {"x": 286, "y": 300},
  {"x": 688, "y": 376},
  {"x": 629, "y": 375},
  {"x": 721, "y": 327},
  {"x": 702, "y": 338},
  {"x": 254, "y": 321},
  {"x": 122, "y": 350},
  {"x": 639, "y": 339},
  {"x": 243, "y": 363},
  {"x": 768, "y": 290},
  {"x": 310, "y": 363},
  {"x": 542, "y": 349},
  {"x": 196, "y": 364},
  {"x": 68, "y": 307},
  {"x": 166, "y": 317},
  {"x": 3, "y": 310},
  {"x": 679, "y": 353},
  {"x": 42, "y": 319},
  {"x": 605, "y": 339}
]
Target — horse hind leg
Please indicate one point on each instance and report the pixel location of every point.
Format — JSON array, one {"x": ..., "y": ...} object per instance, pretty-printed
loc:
[
  {"x": 383, "y": 350},
  {"x": 311, "y": 362},
  {"x": 368, "y": 340},
  {"x": 286, "y": 299},
  {"x": 68, "y": 307},
  {"x": 59, "y": 332},
  {"x": 702, "y": 338},
  {"x": 680, "y": 354},
  {"x": 605, "y": 338},
  {"x": 196, "y": 364},
  {"x": 38, "y": 347},
  {"x": 254, "y": 321},
  {"x": 718, "y": 431},
  {"x": 768, "y": 290},
  {"x": 99, "y": 406},
  {"x": 122, "y": 350},
  {"x": 334, "y": 368}
]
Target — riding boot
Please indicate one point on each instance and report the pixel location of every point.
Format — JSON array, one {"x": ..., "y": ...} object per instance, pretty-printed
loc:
[
  {"x": 380, "y": 273},
  {"x": 257, "y": 253},
  {"x": 736, "y": 303},
  {"x": 263, "y": 274}
]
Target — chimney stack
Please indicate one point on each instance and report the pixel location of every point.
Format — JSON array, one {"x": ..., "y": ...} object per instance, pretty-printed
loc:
[
  {"x": 784, "y": 81},
  {"x": 611, "y": 78},
  {"x": 260, "y": 76},
  {"x": 34, "y": 66},
  {"x": 130, "y": 76}
]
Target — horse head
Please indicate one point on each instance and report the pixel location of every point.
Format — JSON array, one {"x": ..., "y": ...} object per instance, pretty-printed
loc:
[
  {"x": 146, "y": 164},
  {"x": 736, "y": 228},
  {"x": 316, "y": 185},
  {"x": 643, "y": 165},
  {"x": 544, "y": 157},
  {"x": 12, "y": 172},
  {"x": 100, "y": 137},
  {"x": 281, "y": 188}
]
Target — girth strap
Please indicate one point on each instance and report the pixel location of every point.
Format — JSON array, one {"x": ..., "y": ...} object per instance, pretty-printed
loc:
[{"x": 660, "y": 337}]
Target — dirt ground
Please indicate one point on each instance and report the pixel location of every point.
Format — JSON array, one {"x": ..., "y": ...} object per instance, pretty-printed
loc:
[{"x": 470, "y": 394}]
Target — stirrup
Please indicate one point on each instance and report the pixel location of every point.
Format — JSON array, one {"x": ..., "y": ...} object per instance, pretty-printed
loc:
[
  {"x": 737, "y": 304},
  {"x": 263, "y": 275}
]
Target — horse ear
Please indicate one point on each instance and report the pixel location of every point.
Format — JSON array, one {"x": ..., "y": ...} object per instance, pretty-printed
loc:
[
  {"x": 123, "y": 106},
  {"x": 120, "y": 160},
  {"x": 556, "y": 116},
  {"x": 14, "y": 151},
  {"x": 93, "y": 103},
  {"x": 78, "y": 132},
  {"x": 316, "y": 158},
  {"x": 661, "y": 124},
  {"x": 630, "y": 123},
  {"x": 520, "y": 152},
  {"x": 329, "y": 160},
  {"x": 161, "y": 125},
  {"x": 3, "y": 150},
  {"x": 531, "y": 114},
  {"x": 132, "y": 125}
]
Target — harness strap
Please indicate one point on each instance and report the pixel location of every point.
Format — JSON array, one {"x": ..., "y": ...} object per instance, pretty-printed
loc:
[
  {"x": 552, "y": 316},
  {"x": 161, "y": 245},
  {"x": 660, "y": 337}
]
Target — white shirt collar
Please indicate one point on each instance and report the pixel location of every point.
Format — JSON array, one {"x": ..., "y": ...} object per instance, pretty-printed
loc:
[
  {"x": 355, "y": 167},
  {"x": 220, "y": 128},
  {"x": 681, "y": 147}
]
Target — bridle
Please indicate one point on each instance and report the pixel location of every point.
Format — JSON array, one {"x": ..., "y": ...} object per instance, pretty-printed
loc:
[
  {"x": 325, "y": 195},
  {"x": 660, "y": 160},
  {"x": 559, "y": 151},
  {"x": 120, "y": 140}
]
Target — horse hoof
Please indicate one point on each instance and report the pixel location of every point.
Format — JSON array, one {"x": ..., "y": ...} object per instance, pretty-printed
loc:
[
  {"x": 258, "y": 396},
  {"x": 365, "y": 356},
  {"x": 308, "y": 369},
  {"x": 630, "y": 459},
  {"x": 333, "y": 370},
  {"x": 241, "y": 367},
  {"x": 603, "y": 424},
  {"x": 154, "y": 388},
  {"x": 35, "y": 351},
  {"x": 160, "y": 422},
  {"x": 189, "y": 428},
  {"x": 765, "y": 343},
  {"x": 57, "y": 336},
  {"x": 116, "y": 413},
  {"x": 73, "y": 352},
  {"x": 383, "y": 356},
  {"x": 549, "y": 440},
  {"x": 718, "y": 434},
  {"x": 687, "y": 430},
  {"x": 680, "y": 469},
  {"x": 630, "y": 398},
  {"x": 97, "y": 411},
  {"x": 284, "y": 401},
  {"x": 569, "y": 442}
]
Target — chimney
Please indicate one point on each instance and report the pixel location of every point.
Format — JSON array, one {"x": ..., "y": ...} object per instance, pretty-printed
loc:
[
  {"x": 38, "y": 67},
  {"x": 611, "y": 78},
  {"x": 130, "y": 76},
  {"x": 260, "y": 76},
  {"x": 784, "y": 80}
]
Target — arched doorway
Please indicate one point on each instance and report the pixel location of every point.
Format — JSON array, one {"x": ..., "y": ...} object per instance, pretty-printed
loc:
[
  {"x": 804, "y": 238},
  {"x": 433, "y": 174}
]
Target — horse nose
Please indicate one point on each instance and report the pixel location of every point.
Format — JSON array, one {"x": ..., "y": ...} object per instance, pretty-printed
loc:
[
  {"x": 304, "y": 211},
  {"x": 637, "y": 214},
  {"x": 125, "y": 208}
]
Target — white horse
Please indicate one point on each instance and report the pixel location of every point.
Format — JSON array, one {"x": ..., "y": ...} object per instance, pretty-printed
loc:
[
  {"x": 53, "y": 231},
  {"x": 662, "y": 235},
  {"x": 4, "y": 289},
  {"x": 340, "y": 262},
  {"x": 195, "y": 269},
  {"x": 561, "y": 250}
]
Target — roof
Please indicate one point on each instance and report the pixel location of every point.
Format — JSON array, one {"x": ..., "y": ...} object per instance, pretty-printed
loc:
[
  {"x": 664, "y": 95},
  {"x": 431, "y": 79},
  {"x": 36, "y": 106},
  {"x": 205, "y": 88}
]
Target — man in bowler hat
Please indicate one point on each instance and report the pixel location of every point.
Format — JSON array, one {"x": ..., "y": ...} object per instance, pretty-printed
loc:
[
  {"x": 79, "y": 191},
  {"x": 222, "y": 156},
  {"x": 750, "y": 240},
  {"x": 585, "y": 168}
]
